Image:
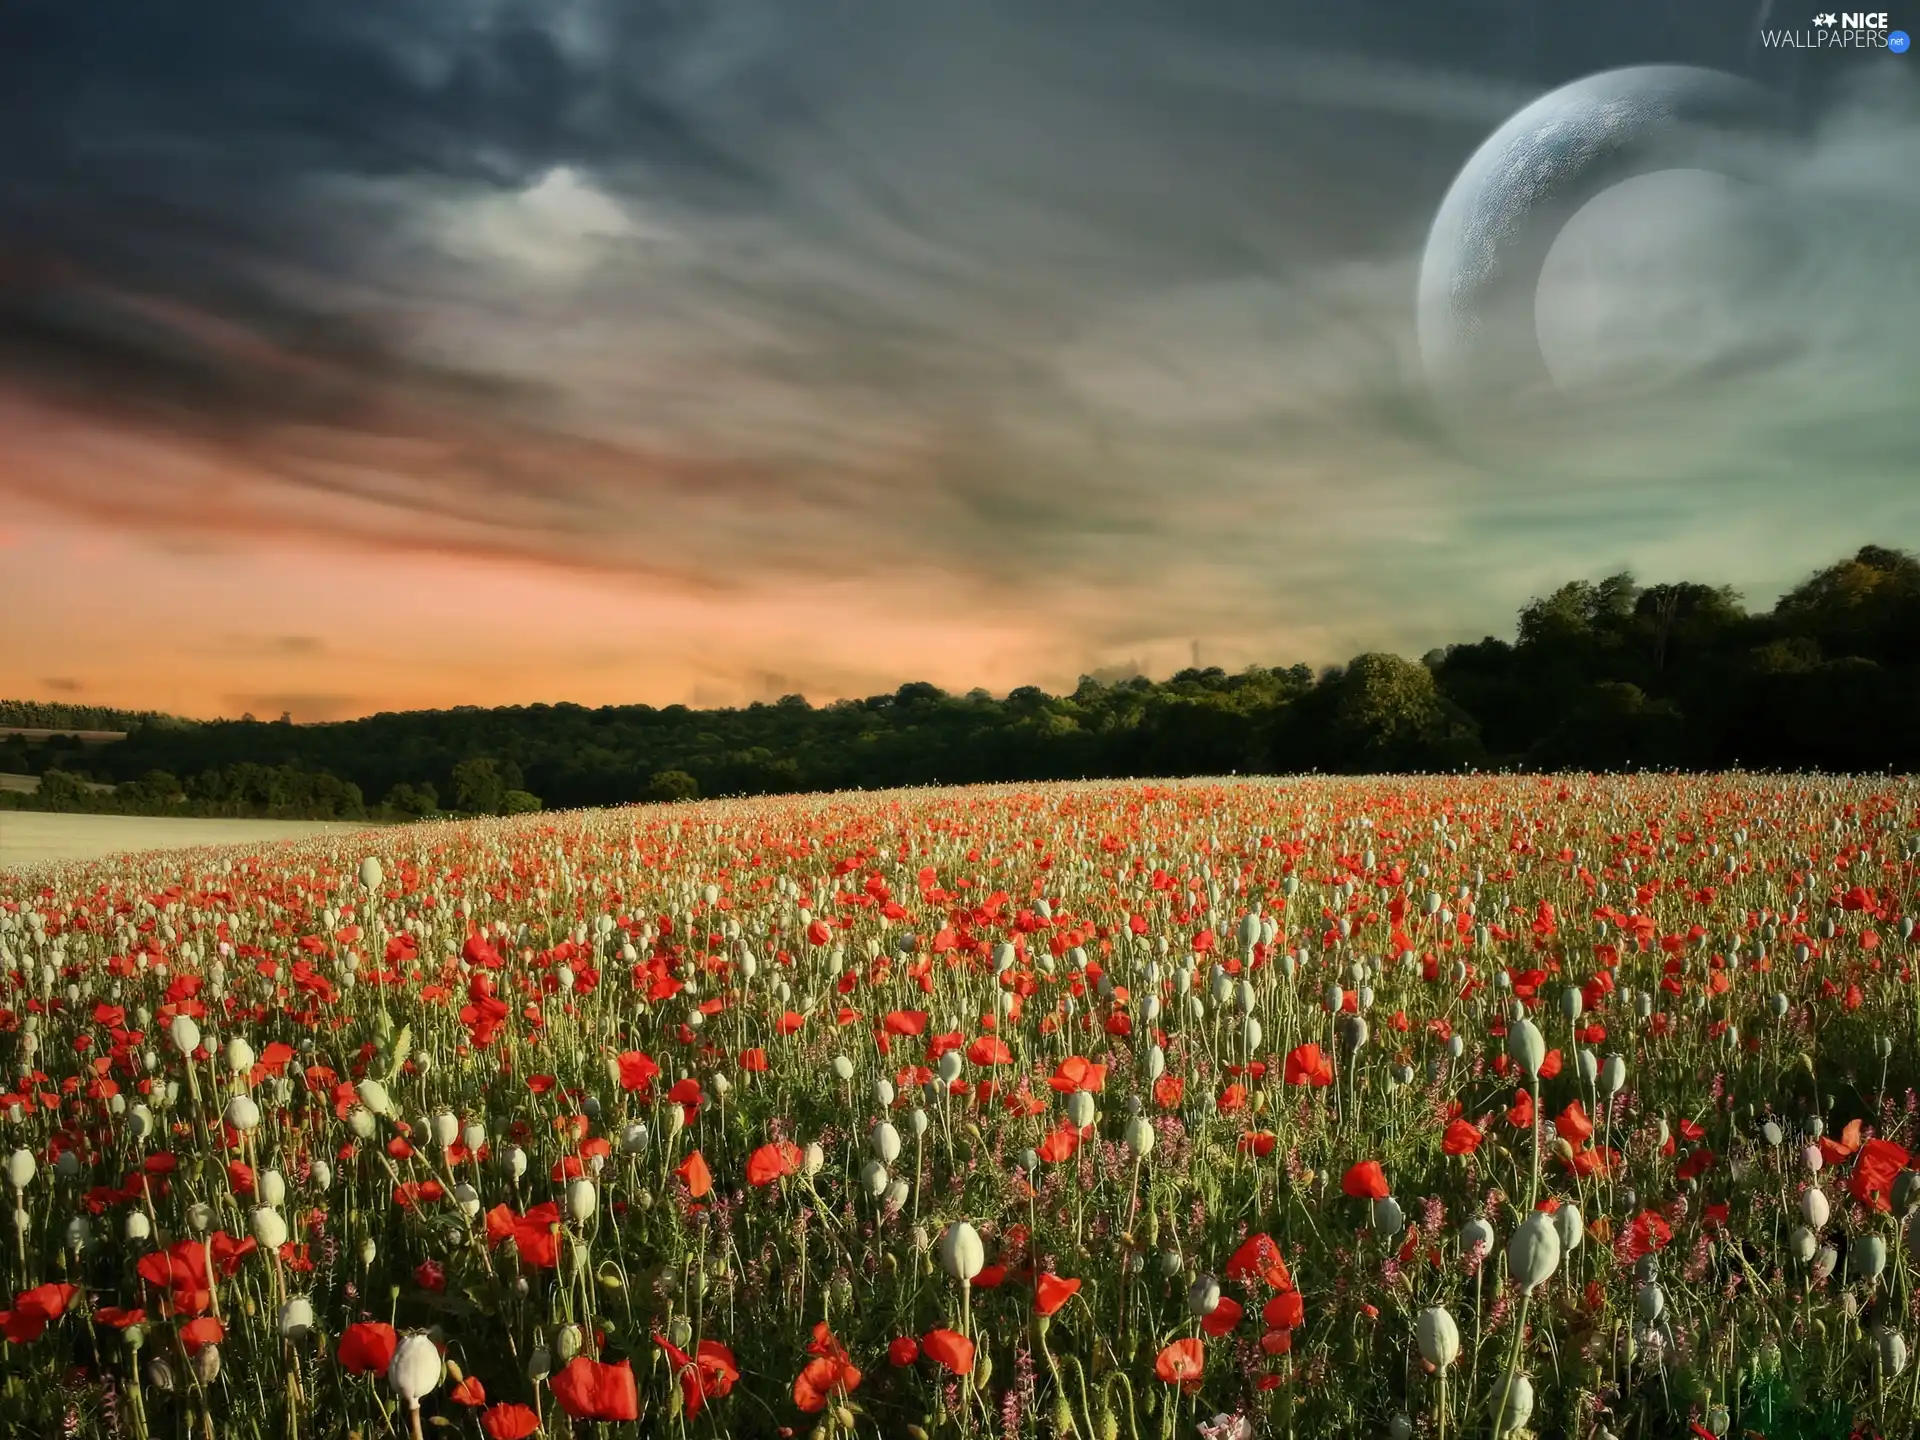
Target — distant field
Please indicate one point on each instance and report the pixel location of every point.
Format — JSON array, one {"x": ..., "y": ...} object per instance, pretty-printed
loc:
[
  {"x": 28, "y": 839},
  {"x": 89, "y": 737},
  {"x": 30, "y": 785}
]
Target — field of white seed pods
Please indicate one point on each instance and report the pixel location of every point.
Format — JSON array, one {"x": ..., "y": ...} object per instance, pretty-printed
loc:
[{"x": 1456, "y": 1107}]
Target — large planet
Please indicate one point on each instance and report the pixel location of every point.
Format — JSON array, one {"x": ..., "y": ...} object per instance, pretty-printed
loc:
[{"x": 1652, "y": 161}]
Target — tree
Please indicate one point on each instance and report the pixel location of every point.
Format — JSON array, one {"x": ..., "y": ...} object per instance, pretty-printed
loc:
[
  {"x": 519, "y": 802},
  {"x": 414, "y": 800},
  {"x": 478, "y": 786},
  {"x": 668, "y": 785}
]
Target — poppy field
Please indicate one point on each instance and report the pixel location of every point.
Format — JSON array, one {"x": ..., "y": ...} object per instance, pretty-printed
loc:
[{"x": 1468, "y": 1106}]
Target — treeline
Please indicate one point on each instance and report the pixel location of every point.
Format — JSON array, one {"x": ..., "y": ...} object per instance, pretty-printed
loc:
[
  {"x": 1600, "y": 676},
  {"x": 56, "y": 715}
]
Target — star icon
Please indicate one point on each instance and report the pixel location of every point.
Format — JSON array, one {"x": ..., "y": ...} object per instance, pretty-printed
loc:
[{"x": 1823, "y": 20}]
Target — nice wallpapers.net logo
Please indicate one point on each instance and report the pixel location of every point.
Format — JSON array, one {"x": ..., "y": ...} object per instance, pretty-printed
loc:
[{"x": 1843, "y": 30}]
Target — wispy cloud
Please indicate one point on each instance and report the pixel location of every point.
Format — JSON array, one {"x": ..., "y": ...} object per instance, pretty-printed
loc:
[{"x": 1101, "y": 318}]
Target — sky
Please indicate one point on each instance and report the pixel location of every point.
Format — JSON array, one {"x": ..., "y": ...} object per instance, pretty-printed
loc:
[{"x": 388, "y": 354}]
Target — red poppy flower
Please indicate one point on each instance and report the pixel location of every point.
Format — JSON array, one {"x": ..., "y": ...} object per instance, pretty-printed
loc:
[
  {"x": 949, "y": 1348},
  {"x": 695, "y": 1176},
  {"x": 1307, "y": 1065},
  {"x": 707, "y": 1375},
  {"x": 1050, "y": 1292},
  {"x": 772, "y": 1163},
  {"x": 366, "y": 1348},
  {"x": 1285, "y": 1311},
  {"x": 33, "y": 1310},
  {"x": 509, "y": 1422},
  {"x": 1258, "y": 1255},
  {"x": 1366, "y": 1181},
  {"x": 1874, "y": 1172},
  {"x": 469, "y": 1392},
  {"x": 904, "y": 1350},
  {"x": 589, "y": 1390},
  {"x": 1222, "y": 1318},
  {"x": 1462, "y": 1138},
  {"x": 202, "y": 1332},
  {"x": 1182, "y": 1363}
]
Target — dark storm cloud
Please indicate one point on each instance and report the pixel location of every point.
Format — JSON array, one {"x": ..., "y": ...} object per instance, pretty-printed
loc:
[{"x": 1058, "y": 299}]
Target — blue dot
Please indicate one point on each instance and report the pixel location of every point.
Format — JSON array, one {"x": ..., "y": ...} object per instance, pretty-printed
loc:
[{"x": 1898, "y": 42}]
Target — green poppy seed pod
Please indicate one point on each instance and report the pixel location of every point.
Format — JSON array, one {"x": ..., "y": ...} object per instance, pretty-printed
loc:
[
  {"x": 1398, "y": 1428},
  {"x": 515, "y": 1160},
  {"x": 138, "y": 1227},
  {"x": 1572, "y": 1003},
  {"x": 1814, "y": 1206},
  {"x": 206, "y": 1364},
  {"x": 371, "y": 874},
  {"x": 540, "y": 1363},
  {"x": 361, "y": 1122},
  {"x": 917, "y": 1121},
  {"x": 1893, "y": 1352},
  {"x": 1533, "y": 1252},
  {"x": 567, "y": 1341},
  {"x": 1613, "y": 1075},
  {"x": 368, "y": 1249},
  {"x": 1139, "y": 1136},
  {"x": 1477, "y": 1233},
  {"x": 1772, "y": 1133},
  {"x": 1386, "y": 1216},
  {"x": 1517, "y": 1408},
  {"x": 1589, "y": 1068},
  {"x": 1906, "y": 1190},
  {"x": 1650, "y": 1302},
  {"x": 885, "y": 1141},
  {"x": 79, "y": 1233},
  {"x": 67, "y": 1165},
  {"x": 961, "y": 1254},
  {"x": 1438, "y": 1336},
  {"x": 1867, "y": 1257},
  {"x": 1156, "y": 1062},
  {"x": 296, "y": 1318},
  {"x": 140, "y": 1122},
  {"x": 467, "y": 1198},
  {"x": 1824, "y": 1261},
  {"x": 1572, "y": 1226},
  {"x": 1801, "y": 1243},
  {"x": 633, "y": 1138},
  {"x": 239, "y": 1056},
  {"x": 445, "y": 1126},
  {"x": 415, "y": 1370},
  {"x": 896, "y": 1195},
  {"x": 1355, "y": 1032},
  {"x": 1335, "y": 999},
  {"x": 243, "y": 1114},
  {"x": 184, "y": 1033},
  {"x": 950, "y": 1066},
  {"x": 813, "y": 1159},
  {"x": 1203, "y": 1297},
  {"x": 159, "y": 1373},
  {"x": 874, "y": 1178},
  {"x": 1080, "y": 1109},
  {"x": 269, "y": 1227},
  {"x": 1527, "y": 1047},
  {"x": 200, "y": 1217},
  {"x": 322, "y": 1176},
  {"x": 583, "y": 1198},
  {"x": 842, "y": 1068},
  {"x": 374, "y": 1096},
  {"x": 21, "y": 1168}
]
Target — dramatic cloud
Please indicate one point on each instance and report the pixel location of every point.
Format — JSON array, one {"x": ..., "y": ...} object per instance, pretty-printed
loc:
[{"x": 981, "y": 336}]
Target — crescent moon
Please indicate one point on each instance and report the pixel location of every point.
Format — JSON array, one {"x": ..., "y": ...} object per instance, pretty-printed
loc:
[{"x": 1490, "y": 239}]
